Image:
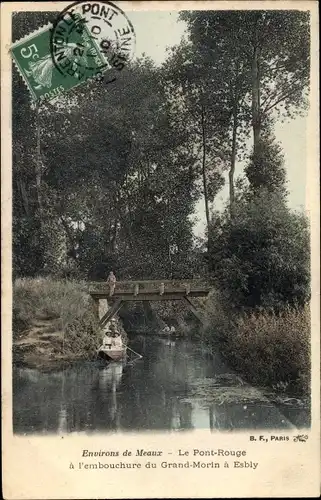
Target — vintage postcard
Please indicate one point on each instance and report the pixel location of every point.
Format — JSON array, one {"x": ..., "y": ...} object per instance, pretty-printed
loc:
[{"x": 160, "y": 249}]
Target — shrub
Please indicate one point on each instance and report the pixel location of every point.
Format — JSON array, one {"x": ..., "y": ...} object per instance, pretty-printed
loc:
[
  {"x": 269, "y": 349},
  {"x": 81, "y": 336}
]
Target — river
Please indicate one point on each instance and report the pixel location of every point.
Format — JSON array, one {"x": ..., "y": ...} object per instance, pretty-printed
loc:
[{"x": 177, "y": 385}]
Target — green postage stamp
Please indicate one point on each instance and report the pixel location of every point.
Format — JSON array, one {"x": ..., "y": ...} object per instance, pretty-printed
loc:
[
  {"x": 44, "y": 78},
  {"x": 84, "y": 42}
]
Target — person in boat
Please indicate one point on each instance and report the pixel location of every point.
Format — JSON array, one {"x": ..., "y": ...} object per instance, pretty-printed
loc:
[
  {"x": 107, "y": 340},
  {"x": 117, "y": 341},
  {"x": 173, "y": 329},
  {"x": 111, "y": 280},
  {"x": 113, "y": 326},
  {"x": 166, "y": 329}
]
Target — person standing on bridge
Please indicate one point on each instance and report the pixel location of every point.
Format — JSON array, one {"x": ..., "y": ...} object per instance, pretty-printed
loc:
[{"x": 112, "y": 283}]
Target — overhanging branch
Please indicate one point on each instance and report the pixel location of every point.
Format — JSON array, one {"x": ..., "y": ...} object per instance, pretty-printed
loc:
[{"x": 282, "y": 98}]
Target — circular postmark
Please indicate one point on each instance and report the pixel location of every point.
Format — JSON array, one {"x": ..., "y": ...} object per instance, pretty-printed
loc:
[{"x": 89, "y": 38}]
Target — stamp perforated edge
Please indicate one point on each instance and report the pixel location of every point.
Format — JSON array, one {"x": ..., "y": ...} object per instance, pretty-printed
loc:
[
  {"x": 25, "y": 38},
  {"x": 16, "y": 65}
]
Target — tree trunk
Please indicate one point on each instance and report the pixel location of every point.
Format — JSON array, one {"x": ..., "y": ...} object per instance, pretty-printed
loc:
[
  {"x": 44, "y": 241},
  {"x": 190, "y": 179},
  {"x": 38, "y": 163},
  {"x": 116, "y": 202},
  {"x": 256, "y": 111},
  {"x": 23, "y": 195},
  {"x": 207, "y": 212},
  {"x": 72, "y": 250},
  {"x": 114, "y": 236},
  {"x": 170, "y": 260},
  {"x": 128, "y": 225},
  {"x": 233, "y": 157}
]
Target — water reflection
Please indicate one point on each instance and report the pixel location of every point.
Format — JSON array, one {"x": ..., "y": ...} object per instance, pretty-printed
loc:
[{"x": 155, "y": 393}]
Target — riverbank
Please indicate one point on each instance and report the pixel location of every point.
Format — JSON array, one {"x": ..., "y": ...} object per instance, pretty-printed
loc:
[
  {"x": 265, "y": 348},
  {"x": 53, "y": 323},
  {"x": 41, "y": 346}
]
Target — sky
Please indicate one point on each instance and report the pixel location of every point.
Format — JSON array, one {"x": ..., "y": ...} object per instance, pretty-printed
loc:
[{"x": 155, "y": 31}]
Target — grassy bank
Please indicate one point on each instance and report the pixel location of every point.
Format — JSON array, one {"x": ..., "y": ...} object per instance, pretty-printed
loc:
[
  {"x": 53, "y": 322},
  {"x": 267, "y": 349}
]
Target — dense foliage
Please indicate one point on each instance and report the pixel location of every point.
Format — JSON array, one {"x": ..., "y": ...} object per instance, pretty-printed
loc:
[
  {"x": 108, "y": 177},
  {"x": 261, "y": 256}
]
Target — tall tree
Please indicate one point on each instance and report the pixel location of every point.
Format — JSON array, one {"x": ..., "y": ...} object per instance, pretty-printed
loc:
[
  {"x": 269, "y": 53},
  {"x": 204, "y": 118}
]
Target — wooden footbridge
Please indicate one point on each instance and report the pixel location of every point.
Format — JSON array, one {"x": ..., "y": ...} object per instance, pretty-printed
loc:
[{"x": 128, "y": 291}]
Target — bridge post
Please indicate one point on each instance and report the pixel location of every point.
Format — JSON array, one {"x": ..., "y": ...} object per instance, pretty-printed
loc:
[
  {"x": 103, "y": 308},
  {"x": 95, "y": 306}
]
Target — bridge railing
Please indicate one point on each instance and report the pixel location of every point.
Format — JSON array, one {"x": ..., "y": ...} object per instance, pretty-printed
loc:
[{"x": 148, "y": 285}]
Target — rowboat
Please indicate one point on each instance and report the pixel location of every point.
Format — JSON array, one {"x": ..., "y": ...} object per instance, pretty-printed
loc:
[
  {"x": 112, "y": 348},
  {"x": 170, "y": 333},
  {"x": 111, "y": 353}
]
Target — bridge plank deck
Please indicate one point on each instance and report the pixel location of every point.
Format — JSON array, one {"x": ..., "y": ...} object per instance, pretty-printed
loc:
[{"x": 149, "y": 290}]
